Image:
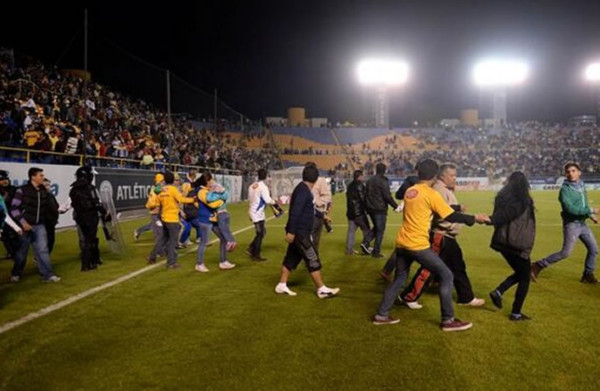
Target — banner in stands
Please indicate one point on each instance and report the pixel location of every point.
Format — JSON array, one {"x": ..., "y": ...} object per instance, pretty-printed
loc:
[{"x": 61, "y": 177}]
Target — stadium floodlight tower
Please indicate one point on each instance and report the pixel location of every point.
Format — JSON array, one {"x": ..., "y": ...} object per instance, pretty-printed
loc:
[
  {"x": 381, "y": 76},
  {"x": 592, "y": 75},
  {"x": 495, "y": 77}
]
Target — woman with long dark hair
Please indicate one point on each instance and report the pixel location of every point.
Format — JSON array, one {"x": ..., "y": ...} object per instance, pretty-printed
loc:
[{"x": 514, "y": 235}]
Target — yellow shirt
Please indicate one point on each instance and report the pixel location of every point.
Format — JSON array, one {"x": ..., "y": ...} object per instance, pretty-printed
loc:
[
  {"x": 420, "y": 203},
  {"x": 31, "y": 137},
  {"x": 169, "y": 200}
]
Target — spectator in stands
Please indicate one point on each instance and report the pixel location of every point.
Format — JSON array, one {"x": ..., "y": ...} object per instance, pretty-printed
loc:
[
  {"x": 27, "y": 208},
  {"x": 356, "y": 213},
  {"x": 300, "y": 246},
  {"x": 378, "y": 198}
]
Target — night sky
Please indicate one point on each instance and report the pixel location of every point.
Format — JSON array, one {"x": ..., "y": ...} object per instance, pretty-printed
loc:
[{"x": 265, "y": 56}]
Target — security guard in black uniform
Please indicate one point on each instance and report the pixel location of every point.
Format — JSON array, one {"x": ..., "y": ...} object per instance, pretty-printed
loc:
[{"x": 87, "y": 210}]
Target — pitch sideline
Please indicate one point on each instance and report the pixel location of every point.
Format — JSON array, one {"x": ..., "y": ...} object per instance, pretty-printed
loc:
[{"x": 54, "y": 307}]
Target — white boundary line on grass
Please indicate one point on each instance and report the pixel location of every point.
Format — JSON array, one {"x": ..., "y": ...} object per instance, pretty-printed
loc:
[{"x": 54, "y": 307}]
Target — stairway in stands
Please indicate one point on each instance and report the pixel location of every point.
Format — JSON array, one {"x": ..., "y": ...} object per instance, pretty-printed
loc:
[{"x": 344, "y": 148}]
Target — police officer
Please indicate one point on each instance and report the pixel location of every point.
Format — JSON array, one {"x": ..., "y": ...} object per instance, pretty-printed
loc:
[{"x": 87, "y": 210}]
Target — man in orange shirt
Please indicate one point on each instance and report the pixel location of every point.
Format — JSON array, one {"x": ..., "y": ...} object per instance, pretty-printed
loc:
[{"x": 412, "y": 243}]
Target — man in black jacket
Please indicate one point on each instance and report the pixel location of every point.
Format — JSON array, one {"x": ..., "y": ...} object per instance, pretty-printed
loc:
[
  {"x": 357, "y": 214},
  {"x": 378, "y": 197},
  {"x": 298, "y": 235},
  {"x": 28, "y": 208}
]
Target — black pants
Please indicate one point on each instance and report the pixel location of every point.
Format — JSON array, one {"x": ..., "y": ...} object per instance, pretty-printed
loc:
[
  {"x": 51, "y": 232},
  {"x": 362, "y": 222},
  {"x": 452, "y": 255},
  {"x": 90, "y": 254},
  {"x": 302, "y": 249},
  {"x": 261, "y": 231},
  {"x": 521, "y": 276}
]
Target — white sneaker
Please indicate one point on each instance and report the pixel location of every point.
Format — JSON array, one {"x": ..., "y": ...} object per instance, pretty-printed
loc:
[
  {"x": 283, "y": 289},
  {"x": 136, "y": 235},
  {"x": 199, "y": 240},
  {"x": 226, "y": 265},
  {"x": 325, "y": 292},
  {"x": 15, "y": 278},
  {"x": 188, "y": 242},
  {"x": 476, "y": 302},
  {"x": 413, "y": 305},
  {"x": 52, "y": 279},
  {"x": 201, "y": 268}
]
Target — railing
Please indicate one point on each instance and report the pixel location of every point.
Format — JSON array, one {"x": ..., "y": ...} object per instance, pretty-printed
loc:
[{"x": 25, "y": 155}]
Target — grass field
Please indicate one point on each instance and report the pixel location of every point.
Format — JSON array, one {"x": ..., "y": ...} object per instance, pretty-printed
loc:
[{"x": 182, "y": 330}]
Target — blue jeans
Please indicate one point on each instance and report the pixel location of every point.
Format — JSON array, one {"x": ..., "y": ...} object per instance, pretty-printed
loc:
[
  {"x": 144, "y": 228},
  {"x": 379, "y": 221},
  {"x": 361, "y": 222},
  {"x": 572, "y": 232},
  {"x": 431, "y": 261},
  {"x": 224, "y": 221},
  {"x": 222, "y": 243},
  {"x": 38, "y": 238},
  {"x": 204, "y": 234},
  {"x": 187, "y": 229}
]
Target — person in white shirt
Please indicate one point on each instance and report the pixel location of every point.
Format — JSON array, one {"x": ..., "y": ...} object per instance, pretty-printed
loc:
[{"x": 259, "y": 197}]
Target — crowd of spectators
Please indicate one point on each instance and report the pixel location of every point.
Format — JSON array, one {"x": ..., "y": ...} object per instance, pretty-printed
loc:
[
  {"x": 536, "y": 148},
  {"x": 43, "y": 109}
]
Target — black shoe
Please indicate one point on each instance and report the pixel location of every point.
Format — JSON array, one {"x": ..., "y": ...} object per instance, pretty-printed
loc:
[
  {"x": 518, "y": 317},
  {"x": 589, "y": 278},
  {"x": 496, "y": 298},
  {"x": 258, "y": 258},
  {"x": 378, "y": 255},
  {"x": 365, "y": 249}
]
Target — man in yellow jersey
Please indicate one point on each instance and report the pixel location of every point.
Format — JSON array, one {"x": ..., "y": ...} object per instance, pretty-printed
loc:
[
  {"x": 168, "y": 201},
  {"x": 421, "y": 201}
]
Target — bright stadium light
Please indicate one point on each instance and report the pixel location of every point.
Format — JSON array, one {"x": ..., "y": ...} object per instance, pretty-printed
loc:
[
  {"x": 382, "y": 75},
  {"x": 500, "y": 72},
  {"x": 388, "y": 73},
  {"x": 592, "y": 72}
]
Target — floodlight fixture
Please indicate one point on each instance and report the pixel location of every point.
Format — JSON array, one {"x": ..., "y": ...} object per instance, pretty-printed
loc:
[
  {"x": 592, "y": 72},
  {"x": 499, "y": 73},
  {"x": 382, "y": 73}
]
